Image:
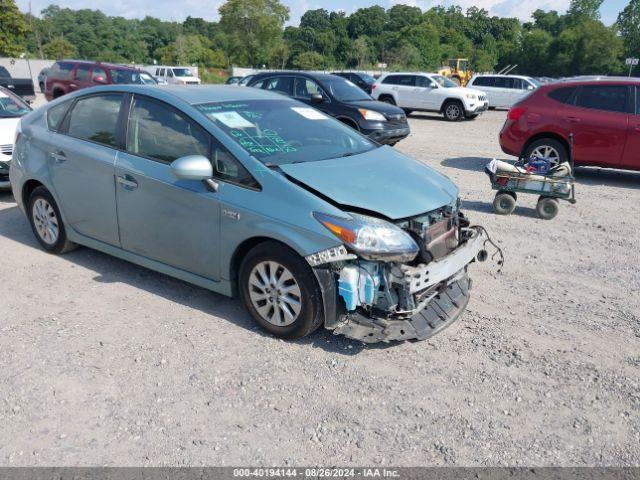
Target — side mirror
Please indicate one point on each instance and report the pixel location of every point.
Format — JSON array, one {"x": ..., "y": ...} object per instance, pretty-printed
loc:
[
  {"x": 101, "y": 80},
  {"x": 192, "y": 167},
  {"x": 530, "y": 87},
  {"x": 317, "y": 98}
]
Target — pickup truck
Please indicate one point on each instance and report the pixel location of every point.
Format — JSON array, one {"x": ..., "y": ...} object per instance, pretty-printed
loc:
[{"x": 20, "y": 86}]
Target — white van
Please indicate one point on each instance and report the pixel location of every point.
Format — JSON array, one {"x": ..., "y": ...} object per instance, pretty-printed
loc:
[
  {"x": 175, "y": 75},
  {"x": 503, "y": 90}
]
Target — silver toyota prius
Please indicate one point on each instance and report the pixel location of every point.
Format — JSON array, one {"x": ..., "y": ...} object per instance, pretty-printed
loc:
[{"x": 246, "y": 192}]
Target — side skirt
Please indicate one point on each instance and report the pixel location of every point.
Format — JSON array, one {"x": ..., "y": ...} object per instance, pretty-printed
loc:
[{"x": 223, "y": 287}]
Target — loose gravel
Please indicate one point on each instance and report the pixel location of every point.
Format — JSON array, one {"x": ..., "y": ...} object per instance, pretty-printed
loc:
[{"x": 106, "y": 363}]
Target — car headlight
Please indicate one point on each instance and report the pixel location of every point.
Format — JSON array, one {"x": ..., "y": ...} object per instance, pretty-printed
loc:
[
  {"x": 371, "y": 238},
  {"x": 471, "y": 96},
  {"x": 371, "y": 115}
]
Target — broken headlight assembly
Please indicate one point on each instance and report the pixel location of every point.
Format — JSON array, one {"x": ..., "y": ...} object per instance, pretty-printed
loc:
[{"x": 371, "y": 238}]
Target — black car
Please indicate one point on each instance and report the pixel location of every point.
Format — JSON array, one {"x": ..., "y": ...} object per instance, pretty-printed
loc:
[
  {"x": 340, "y": 99},
  {"x": 233, "y": 80},
  {"x": 359, "y": 79}
]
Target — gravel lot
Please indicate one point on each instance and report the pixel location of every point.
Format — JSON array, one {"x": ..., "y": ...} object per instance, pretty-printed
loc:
[{"x": 106, "y": 363}]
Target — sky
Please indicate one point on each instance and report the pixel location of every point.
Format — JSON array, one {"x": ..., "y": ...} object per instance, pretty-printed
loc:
[{"x": 179, "y": 10}]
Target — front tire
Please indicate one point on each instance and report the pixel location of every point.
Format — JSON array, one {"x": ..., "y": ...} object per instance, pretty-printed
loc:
[
  {"x": 46, "y": 222},
  {"x": 453, "y": 111},
  {"x": 547, "y": 208},
  {"x": 280, "y": 291}
]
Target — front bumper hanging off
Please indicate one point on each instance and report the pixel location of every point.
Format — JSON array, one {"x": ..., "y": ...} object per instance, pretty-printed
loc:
[{"x": 440, "y": 291}]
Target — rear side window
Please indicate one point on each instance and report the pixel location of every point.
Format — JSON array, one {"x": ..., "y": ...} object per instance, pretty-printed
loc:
[
  {"x": 610, "y": 98},
  {"x": 159, "y": 132},
  {"x": 55, "y": 116},
  {"x": 95, "y": 118},
  {"x": 562, "y": 95}
]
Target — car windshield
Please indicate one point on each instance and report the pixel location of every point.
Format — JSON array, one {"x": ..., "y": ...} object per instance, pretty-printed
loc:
[
  {"x": 182, "y": 72},
  {"x": 443, "y": 81},
  {"x": 279, "y": 132},
  {"x": 132, "y": 77},
  {"x": 12, "y": 106},
  {"x": 345, "y": 91}
]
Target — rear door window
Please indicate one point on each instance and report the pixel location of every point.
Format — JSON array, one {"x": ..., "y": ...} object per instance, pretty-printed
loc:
[
  {"x": 407, "y": 80},
  {"x": 95, "y": 118},
  {"x": 610, "y": 98},
  {"x": 159, "y": 132},
  {"x": 279, "y": 84}
]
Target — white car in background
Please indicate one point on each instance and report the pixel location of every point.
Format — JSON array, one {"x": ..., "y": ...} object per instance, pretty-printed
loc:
[
  {"x": 12, "y": 108},
  {"x": 504, "y": 90},
  {"x": 175, "y": 75},
  {"x": 429, "y": 92}
]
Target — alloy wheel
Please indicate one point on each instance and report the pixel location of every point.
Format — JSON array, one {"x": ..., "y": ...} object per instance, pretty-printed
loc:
[
  {"x": 45, "y": 221},
  {"x": 548, "y": 153},
  {"x": 275, "y": 293},
  {"x": 453, "y": 111}
]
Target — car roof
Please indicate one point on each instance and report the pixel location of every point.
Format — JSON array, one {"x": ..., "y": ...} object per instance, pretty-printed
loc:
[
  {"x": 102, "y": 64},
  {"x": 191, "y": 94},
  {"x": 500, "y": 75},
  {"x": 595, "y": 79},
  {"x": 286, "y": 73},
  {"x": 408, "y": 73}
]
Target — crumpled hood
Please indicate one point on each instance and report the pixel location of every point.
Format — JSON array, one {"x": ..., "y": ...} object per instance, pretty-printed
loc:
[{"x": 382, "y": 180}]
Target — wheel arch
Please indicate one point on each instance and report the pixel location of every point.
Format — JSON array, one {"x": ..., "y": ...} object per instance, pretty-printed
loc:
[
  {"x": 349, "y": 121},
  {"x": 449, "y": 100},
  {"x": 28, "y": 188},
  {"x": 540, "y": 136}
]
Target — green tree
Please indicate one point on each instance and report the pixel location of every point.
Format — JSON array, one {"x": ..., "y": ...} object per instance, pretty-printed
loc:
[
  {"x": 629, "y": 26},
  {"x": 253, "y": 27},
  {"x": 13, "y": 29},
  {"x": 58, "y": 48},
  {"x": 309, "y": 61}
]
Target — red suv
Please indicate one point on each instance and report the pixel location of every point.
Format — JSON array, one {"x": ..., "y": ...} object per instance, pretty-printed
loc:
[
  {"x": 602, "y": 113},
  {"x": 68, "y": 76}
]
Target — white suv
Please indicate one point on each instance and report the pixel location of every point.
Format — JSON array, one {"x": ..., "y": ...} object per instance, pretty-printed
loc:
[
  {"x": 504, "y": 90},
  {"x": 429, "y": 92},
  {"x": 175, "y": 75}
]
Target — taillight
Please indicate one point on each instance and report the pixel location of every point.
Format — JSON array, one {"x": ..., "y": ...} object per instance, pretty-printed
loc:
[
  {"x": 515, "y": 113},
  {"x": 373, "y": 87}
]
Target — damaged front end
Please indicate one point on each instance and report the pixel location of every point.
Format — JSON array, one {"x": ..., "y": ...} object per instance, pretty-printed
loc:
[{"x": 410, "y": 287}]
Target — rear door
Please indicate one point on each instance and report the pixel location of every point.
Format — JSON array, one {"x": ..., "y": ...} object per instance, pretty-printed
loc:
[
  {"x": 599, "y": 120},
  {"x": 175, "y": 222},
  {"x": 82, "y": 157},
  {"x": 631, "y": 157}
]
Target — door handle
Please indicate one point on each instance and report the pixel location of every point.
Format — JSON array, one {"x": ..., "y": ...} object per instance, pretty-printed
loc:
[
  {"x": 73, "y": 85},
  {"x": 637, "y": 128},
  {"x": 127, "y": 181},
  {"x": 59, "y": 156},
  {"x": 574, "y": 119}
]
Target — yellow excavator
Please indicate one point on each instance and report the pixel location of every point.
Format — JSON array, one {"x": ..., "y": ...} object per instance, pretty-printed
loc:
[{"x": 457, "y": 70}]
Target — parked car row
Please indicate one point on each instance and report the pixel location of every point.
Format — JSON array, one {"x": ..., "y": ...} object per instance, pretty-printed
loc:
[
  {"x": 250, "y": 193},
  {"x": 20, "y": 86}
]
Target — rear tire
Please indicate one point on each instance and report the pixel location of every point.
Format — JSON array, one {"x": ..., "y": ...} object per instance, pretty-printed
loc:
[
  {"x": 453, "y": 111},
  {"x": 46, "y": 222},
  {"x": 504, "y": 203},
  {"x": 548, "y": 148},
  {"x": 547, "y": 208},
  {"x": 280, "y": 291}
]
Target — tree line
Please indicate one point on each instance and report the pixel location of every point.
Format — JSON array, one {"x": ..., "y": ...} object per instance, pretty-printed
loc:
[{"x": 253, "y": 33}]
